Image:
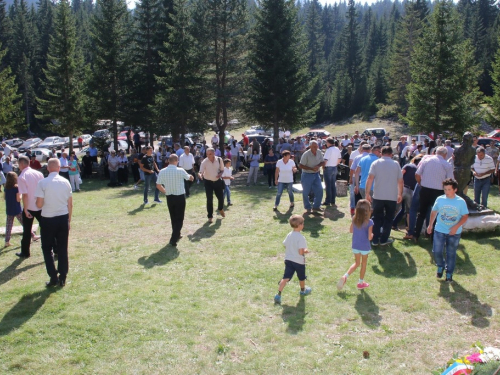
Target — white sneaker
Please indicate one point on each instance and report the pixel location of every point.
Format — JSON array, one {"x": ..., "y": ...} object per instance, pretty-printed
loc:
[{"x": 135, "y": 187}]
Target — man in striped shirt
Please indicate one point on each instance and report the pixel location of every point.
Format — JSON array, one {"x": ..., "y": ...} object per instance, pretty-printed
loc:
[
  {"x": 171, "y": 183},
  {"x": 482, "y": 169}
]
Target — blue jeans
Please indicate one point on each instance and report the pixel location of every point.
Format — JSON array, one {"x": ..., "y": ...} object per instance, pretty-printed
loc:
[
  {"x": 482, "y": 187},
  {"x": 450, "y": 243},
  {"x": 311, "y": 182},
  {"x": 415, "y": 204},
  {"x": 330, "y": 176},
  {"x": 383, "y": 215},
  {"x": 352, "y": 198},
  {"x": 227, "y": 191},
  {"x": 148, "y": 179},
  {"x": 281, "y": 187}
]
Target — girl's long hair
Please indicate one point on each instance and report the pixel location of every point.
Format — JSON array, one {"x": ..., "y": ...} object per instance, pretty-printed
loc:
[
  {"x": 362, "y": 213},
  {"x": 11, "y": 180}
]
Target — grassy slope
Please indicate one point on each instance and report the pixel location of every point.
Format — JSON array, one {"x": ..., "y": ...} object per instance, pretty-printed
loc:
[{"x": 133, "y": 305}]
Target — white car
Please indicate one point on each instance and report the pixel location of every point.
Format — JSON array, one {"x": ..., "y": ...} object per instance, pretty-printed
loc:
[{"x": 42, "y": 154}]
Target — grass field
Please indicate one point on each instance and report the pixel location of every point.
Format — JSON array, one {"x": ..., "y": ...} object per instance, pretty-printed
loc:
[{"x": 133, "y": 305}]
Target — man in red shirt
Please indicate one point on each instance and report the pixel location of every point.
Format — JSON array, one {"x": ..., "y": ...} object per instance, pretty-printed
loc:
[
  {"x": 35, "y": 164},
  {"x": 245, "y": 141}
]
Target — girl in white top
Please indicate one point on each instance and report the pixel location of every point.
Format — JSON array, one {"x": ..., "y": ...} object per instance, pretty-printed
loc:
[{"x": 285, "y": 168}]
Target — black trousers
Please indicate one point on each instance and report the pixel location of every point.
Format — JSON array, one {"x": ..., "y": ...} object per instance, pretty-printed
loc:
[
  {"x": 212, "y": 187},
  {"x": 427, "y": 198},
  {"x": 176, "y": 207},
  {"x": 27, "y": 227},
  {"x": 55, "y": 229},
  {"x": 187, "y": 183}
]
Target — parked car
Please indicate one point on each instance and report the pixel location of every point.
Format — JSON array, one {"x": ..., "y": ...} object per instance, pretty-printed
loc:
[
  {"x": 14, "y": 142},
  {"x": 122, "y": 136},
  {"x": 260, "y": 139},
  {"x": 52, "y": 142},
  {"x": 494, "y": 134},
  {"x": 257, "y": 130},
  {"x": 86, "y": 139},
  {"x": 379, "y": 133},
  {"x": 487, "y": 141},
  {"x": 317, "y": 133},
  {"x": 419, "y": 137},
  {"x": 122, "y": 145},
  {"x": 29, "y": 144},
  {"x": 102, "y": 133},
  {"x": 42, "y": 154},
  {"x": 167, "y": 141}
]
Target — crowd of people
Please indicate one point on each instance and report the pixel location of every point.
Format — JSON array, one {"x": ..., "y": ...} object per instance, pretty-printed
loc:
[{"x": 412, "y": 182}]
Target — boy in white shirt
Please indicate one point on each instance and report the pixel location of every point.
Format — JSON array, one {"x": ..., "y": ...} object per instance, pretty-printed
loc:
[{"x": 226, "y": 176}]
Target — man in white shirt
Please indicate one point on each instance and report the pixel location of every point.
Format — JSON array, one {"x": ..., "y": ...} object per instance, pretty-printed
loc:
[
  {"x": 186, "y": 162},
  {"x": 64, "y": 166},
  {"x": 482, "y": 169},
  {"x": 332, "y": 158},
  {"x": 346, "y": 141},
  {"x": 53, "y": 195},
  {"x": 6, "y": 149}
]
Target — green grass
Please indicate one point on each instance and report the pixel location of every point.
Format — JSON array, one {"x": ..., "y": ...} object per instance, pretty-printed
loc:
[{"x": 134, "y": 305}]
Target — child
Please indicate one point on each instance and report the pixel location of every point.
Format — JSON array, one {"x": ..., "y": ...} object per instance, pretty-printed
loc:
[
  {"x": 361, "y": 229},
  {"x": 295, "y": 260},
  {"x": 226, "y": 176},
  {"x": 13, "y": 206},
  {"x": 451, "y": 213}
]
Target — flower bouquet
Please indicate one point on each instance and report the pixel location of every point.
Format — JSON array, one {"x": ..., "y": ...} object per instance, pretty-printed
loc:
[{"x": 485, "y": 361}]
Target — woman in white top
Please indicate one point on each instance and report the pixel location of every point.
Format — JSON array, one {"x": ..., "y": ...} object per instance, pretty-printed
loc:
[{"x": 285, "y": 168}]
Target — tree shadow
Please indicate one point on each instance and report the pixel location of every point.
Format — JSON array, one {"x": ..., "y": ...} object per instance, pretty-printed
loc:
[
  {"x": 160, "y": 258},
  {"x": 394, "y": 263},
  {"x": 283, "y": 217},
  {"x": 12, "y": 271},
  {"x": 368, "y": 310},
  {"x": 333, "y": 214},
  {"x": 24, "y": 310},
  {"x": 466, "y": 303},
  {"x": 294, "y": 316},
  {"x": 206, "y": 231},
  {"x": 312, "y": 224}
]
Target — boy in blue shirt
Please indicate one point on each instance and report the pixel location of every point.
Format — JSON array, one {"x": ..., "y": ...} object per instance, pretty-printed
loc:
[
  {"x": 295, "y": 260},
  {"x": 451, "y": 213}
]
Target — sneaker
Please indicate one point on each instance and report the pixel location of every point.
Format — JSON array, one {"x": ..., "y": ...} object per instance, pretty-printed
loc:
[
  {"x": 341, "y": 282},
  {"x": 318, "y": 210},
  {"x": 275, "y": 208},
  {"x": 136, "y": 187},
  {"x": 375, "y": 243},
  {"x": 292, "y": 205},
  {"x": 308, "y": 212},
  {"x": 306, "y": 291},
  {"x": 270, "y": 187},
  {"x": 388, "y": 242},
  {"x": 363, "y": 285},
  {"x": 439, "y": 273},
  {"x": 352, "y": 211},
  {"x": 449, "y": 278},
  {"x": 158, "y": 201},
  {"x": 229, "y": 204},
  {"x": 146, "y": 203},
  {"x": 277, "y": 299}
]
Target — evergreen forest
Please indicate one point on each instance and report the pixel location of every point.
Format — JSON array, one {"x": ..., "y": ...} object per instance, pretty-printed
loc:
[{"x": 173, "y": 66}]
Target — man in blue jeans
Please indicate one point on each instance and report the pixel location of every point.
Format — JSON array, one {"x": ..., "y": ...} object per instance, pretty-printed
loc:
[
  {"x": 150, "y": 169},
  {"x": 451, "y": 213},
  {"x": 332, "y": 159},
  {"x": 482, "y": 169},
  {"x": 310, "y": 163},
  {"x": 387, "y": 179}
]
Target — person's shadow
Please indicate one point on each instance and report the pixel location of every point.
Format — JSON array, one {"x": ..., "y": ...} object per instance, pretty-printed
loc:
[
  {"x": 466, "y": 303},
  {"x": 205, "y": 231},
  {"x": 24, "y": 310},
  {"x": 333, "y": 214},
  {"x": 367, "y": 310},
  {"x": 294, "y": 316},
  {"x": 464, "y": 264},
  {"x": 313, "y": 224},
  {"x": 136, "y": 210},
  {"x": 160, "y": 258},
  {"x": 283, "y": 217},
  {"x": 394, "y": 264},
  {"x": 12, "y": 271}
]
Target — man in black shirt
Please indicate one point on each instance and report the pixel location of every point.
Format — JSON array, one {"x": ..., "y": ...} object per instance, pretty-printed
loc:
[{"x": 150, "y": 169}]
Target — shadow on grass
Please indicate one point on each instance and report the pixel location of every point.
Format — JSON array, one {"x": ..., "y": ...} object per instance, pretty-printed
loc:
[
  {"x": 491, "y": 239},
  {"x": 160, "y": 258},
  {"x": 283, "y": 217},
  {"x": 294, "y": 316},
  {"x": 466, "y": 303},
  {"x": 464, "y": 264},
  {"x": 333, "y": 214},
  {"x": 367, "y": 310},
  {"x": 206, "y": 231},
  {"x": 24, "y": 310},
  {"x": 12, "y": 271},
  {"x": 312, "y": 224},
  {"x": 394, "y": 264}
]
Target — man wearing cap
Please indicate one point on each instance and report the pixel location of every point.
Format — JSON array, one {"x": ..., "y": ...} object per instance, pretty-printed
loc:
[
  {"x": 171, "y": 182},
  {"x": 186, "y": 162}
]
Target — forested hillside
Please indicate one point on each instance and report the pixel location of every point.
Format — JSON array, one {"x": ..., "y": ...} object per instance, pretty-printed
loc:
[{"x": 175, "y": 65}]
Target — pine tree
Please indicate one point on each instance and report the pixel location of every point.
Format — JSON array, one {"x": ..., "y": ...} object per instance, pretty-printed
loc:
[
  {"x": 279, "y": 83},
  {"x": 5, "y": 32},
  {"x": 45, "y": 27},
  {"x": 443, "y": 94},
  {"x": 110, "y": 61},
  {"x": 9, "y": 99},
  {"x": 407, "y": 35},
  {"x": 182, "y": 101},
  {"x": 493, "y": 115},
  {"x": 222, "y": 30},
  {"x": 63, "y": 93}
]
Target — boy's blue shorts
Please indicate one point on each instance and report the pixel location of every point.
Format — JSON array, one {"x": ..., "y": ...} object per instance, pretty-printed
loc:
[{"x": 292, "y": 267}]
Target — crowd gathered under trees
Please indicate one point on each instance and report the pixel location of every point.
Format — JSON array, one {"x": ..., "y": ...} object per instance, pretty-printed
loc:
[{"x": 172, "y": 66}]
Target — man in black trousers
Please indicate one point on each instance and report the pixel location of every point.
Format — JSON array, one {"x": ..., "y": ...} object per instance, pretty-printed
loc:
[
  {"x": 53, "y": 195},
  {"x": 171, "y": 183}
]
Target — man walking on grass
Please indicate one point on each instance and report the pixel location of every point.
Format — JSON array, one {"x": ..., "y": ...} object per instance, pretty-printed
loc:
[
  {"x": 211, "y": 170},
  {"x": 149, "y": 167},
  {"x": 171, "y": 183}
]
